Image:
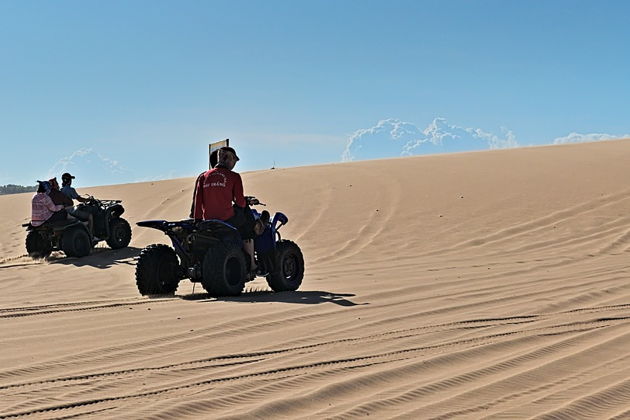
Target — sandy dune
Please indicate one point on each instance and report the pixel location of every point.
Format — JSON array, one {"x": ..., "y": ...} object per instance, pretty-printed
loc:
[{"x": 477, "y": 285}]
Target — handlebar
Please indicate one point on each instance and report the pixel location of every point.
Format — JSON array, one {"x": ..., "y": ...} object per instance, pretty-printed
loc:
[
  {"x": 92, "y": 199},
  {"x": 253, "y": 201}
]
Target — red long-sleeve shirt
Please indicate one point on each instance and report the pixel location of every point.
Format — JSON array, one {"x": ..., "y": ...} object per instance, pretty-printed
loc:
[{"x": 215, "y": 190}]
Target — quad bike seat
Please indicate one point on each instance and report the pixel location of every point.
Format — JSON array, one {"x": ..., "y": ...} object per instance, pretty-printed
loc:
[
  {"x": 51, "y": 225},
  {"x": 61, "y": 224},
  {"x": 214, "y": 226}
]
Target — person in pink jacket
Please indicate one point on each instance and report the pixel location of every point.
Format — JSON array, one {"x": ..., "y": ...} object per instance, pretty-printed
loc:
[{"x": 44, "y": 210}]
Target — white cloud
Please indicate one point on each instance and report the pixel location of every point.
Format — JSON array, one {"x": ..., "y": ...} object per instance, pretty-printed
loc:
[
  {"x": 385, "y": 139},
  {"x": 113, "y": 165},
  {"x": 90, "y": 168},
  {"x": 580, "y": 138},
  {"x": 393, "y": 137}
]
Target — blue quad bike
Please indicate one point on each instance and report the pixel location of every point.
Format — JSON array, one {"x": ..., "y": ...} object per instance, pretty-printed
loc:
[{"x": 211, "y": 252}]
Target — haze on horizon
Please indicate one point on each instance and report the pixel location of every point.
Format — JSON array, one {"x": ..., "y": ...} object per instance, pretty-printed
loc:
[{"x": 122, "y": 92}]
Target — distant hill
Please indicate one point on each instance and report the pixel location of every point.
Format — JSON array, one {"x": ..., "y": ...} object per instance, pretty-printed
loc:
[{"x": 16, "y": 189}]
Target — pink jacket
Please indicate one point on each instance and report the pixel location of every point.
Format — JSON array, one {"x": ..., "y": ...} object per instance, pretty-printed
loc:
[{"x": 42, "y": 208}]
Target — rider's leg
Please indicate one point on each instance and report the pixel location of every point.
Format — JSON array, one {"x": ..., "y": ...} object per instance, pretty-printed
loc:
[
  {"x": 91, "y": 224},
  {"x": 244, "y": 222},
  {"x": 58, "y": 216},
  {"x": 83, "y": 215},
  {"x": 248, "y": 246}
]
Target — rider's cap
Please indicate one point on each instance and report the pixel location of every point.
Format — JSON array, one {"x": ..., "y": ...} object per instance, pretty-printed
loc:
[
  {"x": 67, "y": 176},
  {"x": 229, "y": 149}
]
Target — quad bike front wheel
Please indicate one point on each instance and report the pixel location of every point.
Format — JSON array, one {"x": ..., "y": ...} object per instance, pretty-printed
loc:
[
  {"x": 157, "y": 271},
  {"x": 224, "y": 270},
  {"x": 288, "y": 267},
  {"x": 36, "y": 245},
  {"x": 75, "y": 242},
  {"x": 119, "y": 233}
]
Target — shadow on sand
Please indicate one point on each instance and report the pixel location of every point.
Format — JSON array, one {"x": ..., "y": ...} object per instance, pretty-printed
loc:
[
  {"x": 305, "y": 298},
  {"x": 100, "y": 258}
]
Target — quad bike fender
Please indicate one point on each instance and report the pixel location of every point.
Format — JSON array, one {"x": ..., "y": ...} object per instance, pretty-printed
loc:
[
  {"x": 58, "y": 226},
  {"x": 265, "y": 242},
  {"x": 162, "y": 225},
  {"x": 279, "y": 219},
  {"x": 78, "y": 223},
  {"x": 116, "y": 210}
]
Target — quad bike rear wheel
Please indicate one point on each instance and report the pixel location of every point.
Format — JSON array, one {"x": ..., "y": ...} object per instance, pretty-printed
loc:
[
  {"x": 288, "y": 267},
  {"x": 75, "y": 242},
  {"x": 36, "y": 245},
  {"x": 119, "y": 233},
  {"x": 157, "y": 271},
  {"x": 224, "y": 270}
]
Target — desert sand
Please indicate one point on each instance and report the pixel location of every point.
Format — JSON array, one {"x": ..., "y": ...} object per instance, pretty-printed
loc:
[{"x": 474, "y": 285}]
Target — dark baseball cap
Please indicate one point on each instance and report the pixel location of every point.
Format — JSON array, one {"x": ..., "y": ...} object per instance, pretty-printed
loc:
[
  {"x": 67, "y": 176},
  {"x": 229, "y": 149}
]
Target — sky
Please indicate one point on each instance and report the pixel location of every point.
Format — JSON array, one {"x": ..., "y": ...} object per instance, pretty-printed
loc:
[{"x": 129, "y": 91}]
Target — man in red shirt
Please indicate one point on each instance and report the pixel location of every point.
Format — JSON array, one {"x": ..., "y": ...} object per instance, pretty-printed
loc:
[{"x": 216, "y": 190}]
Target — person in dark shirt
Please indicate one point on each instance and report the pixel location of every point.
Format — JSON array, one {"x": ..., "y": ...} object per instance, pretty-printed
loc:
[
  {"x": 68, "y": 190},
  {"x": 84, "y": 213},
  {"x": 57, "y": 196}
]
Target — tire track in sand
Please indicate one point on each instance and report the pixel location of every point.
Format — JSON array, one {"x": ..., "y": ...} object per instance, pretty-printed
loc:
[
  {"x": 58, "y": 308},
  {"x": 509, "y": 233},
  {"x": 363, "y": 361}
]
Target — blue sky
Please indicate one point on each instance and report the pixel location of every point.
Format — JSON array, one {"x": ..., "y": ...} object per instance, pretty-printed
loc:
[{"x": 125, "y": 91}]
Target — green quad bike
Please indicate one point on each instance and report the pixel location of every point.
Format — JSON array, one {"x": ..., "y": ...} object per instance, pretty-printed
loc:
[{"x": 73, "y": 236}]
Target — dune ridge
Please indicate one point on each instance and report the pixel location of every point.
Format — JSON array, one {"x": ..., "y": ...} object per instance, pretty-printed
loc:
[{"x": 474, "y": 285}]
